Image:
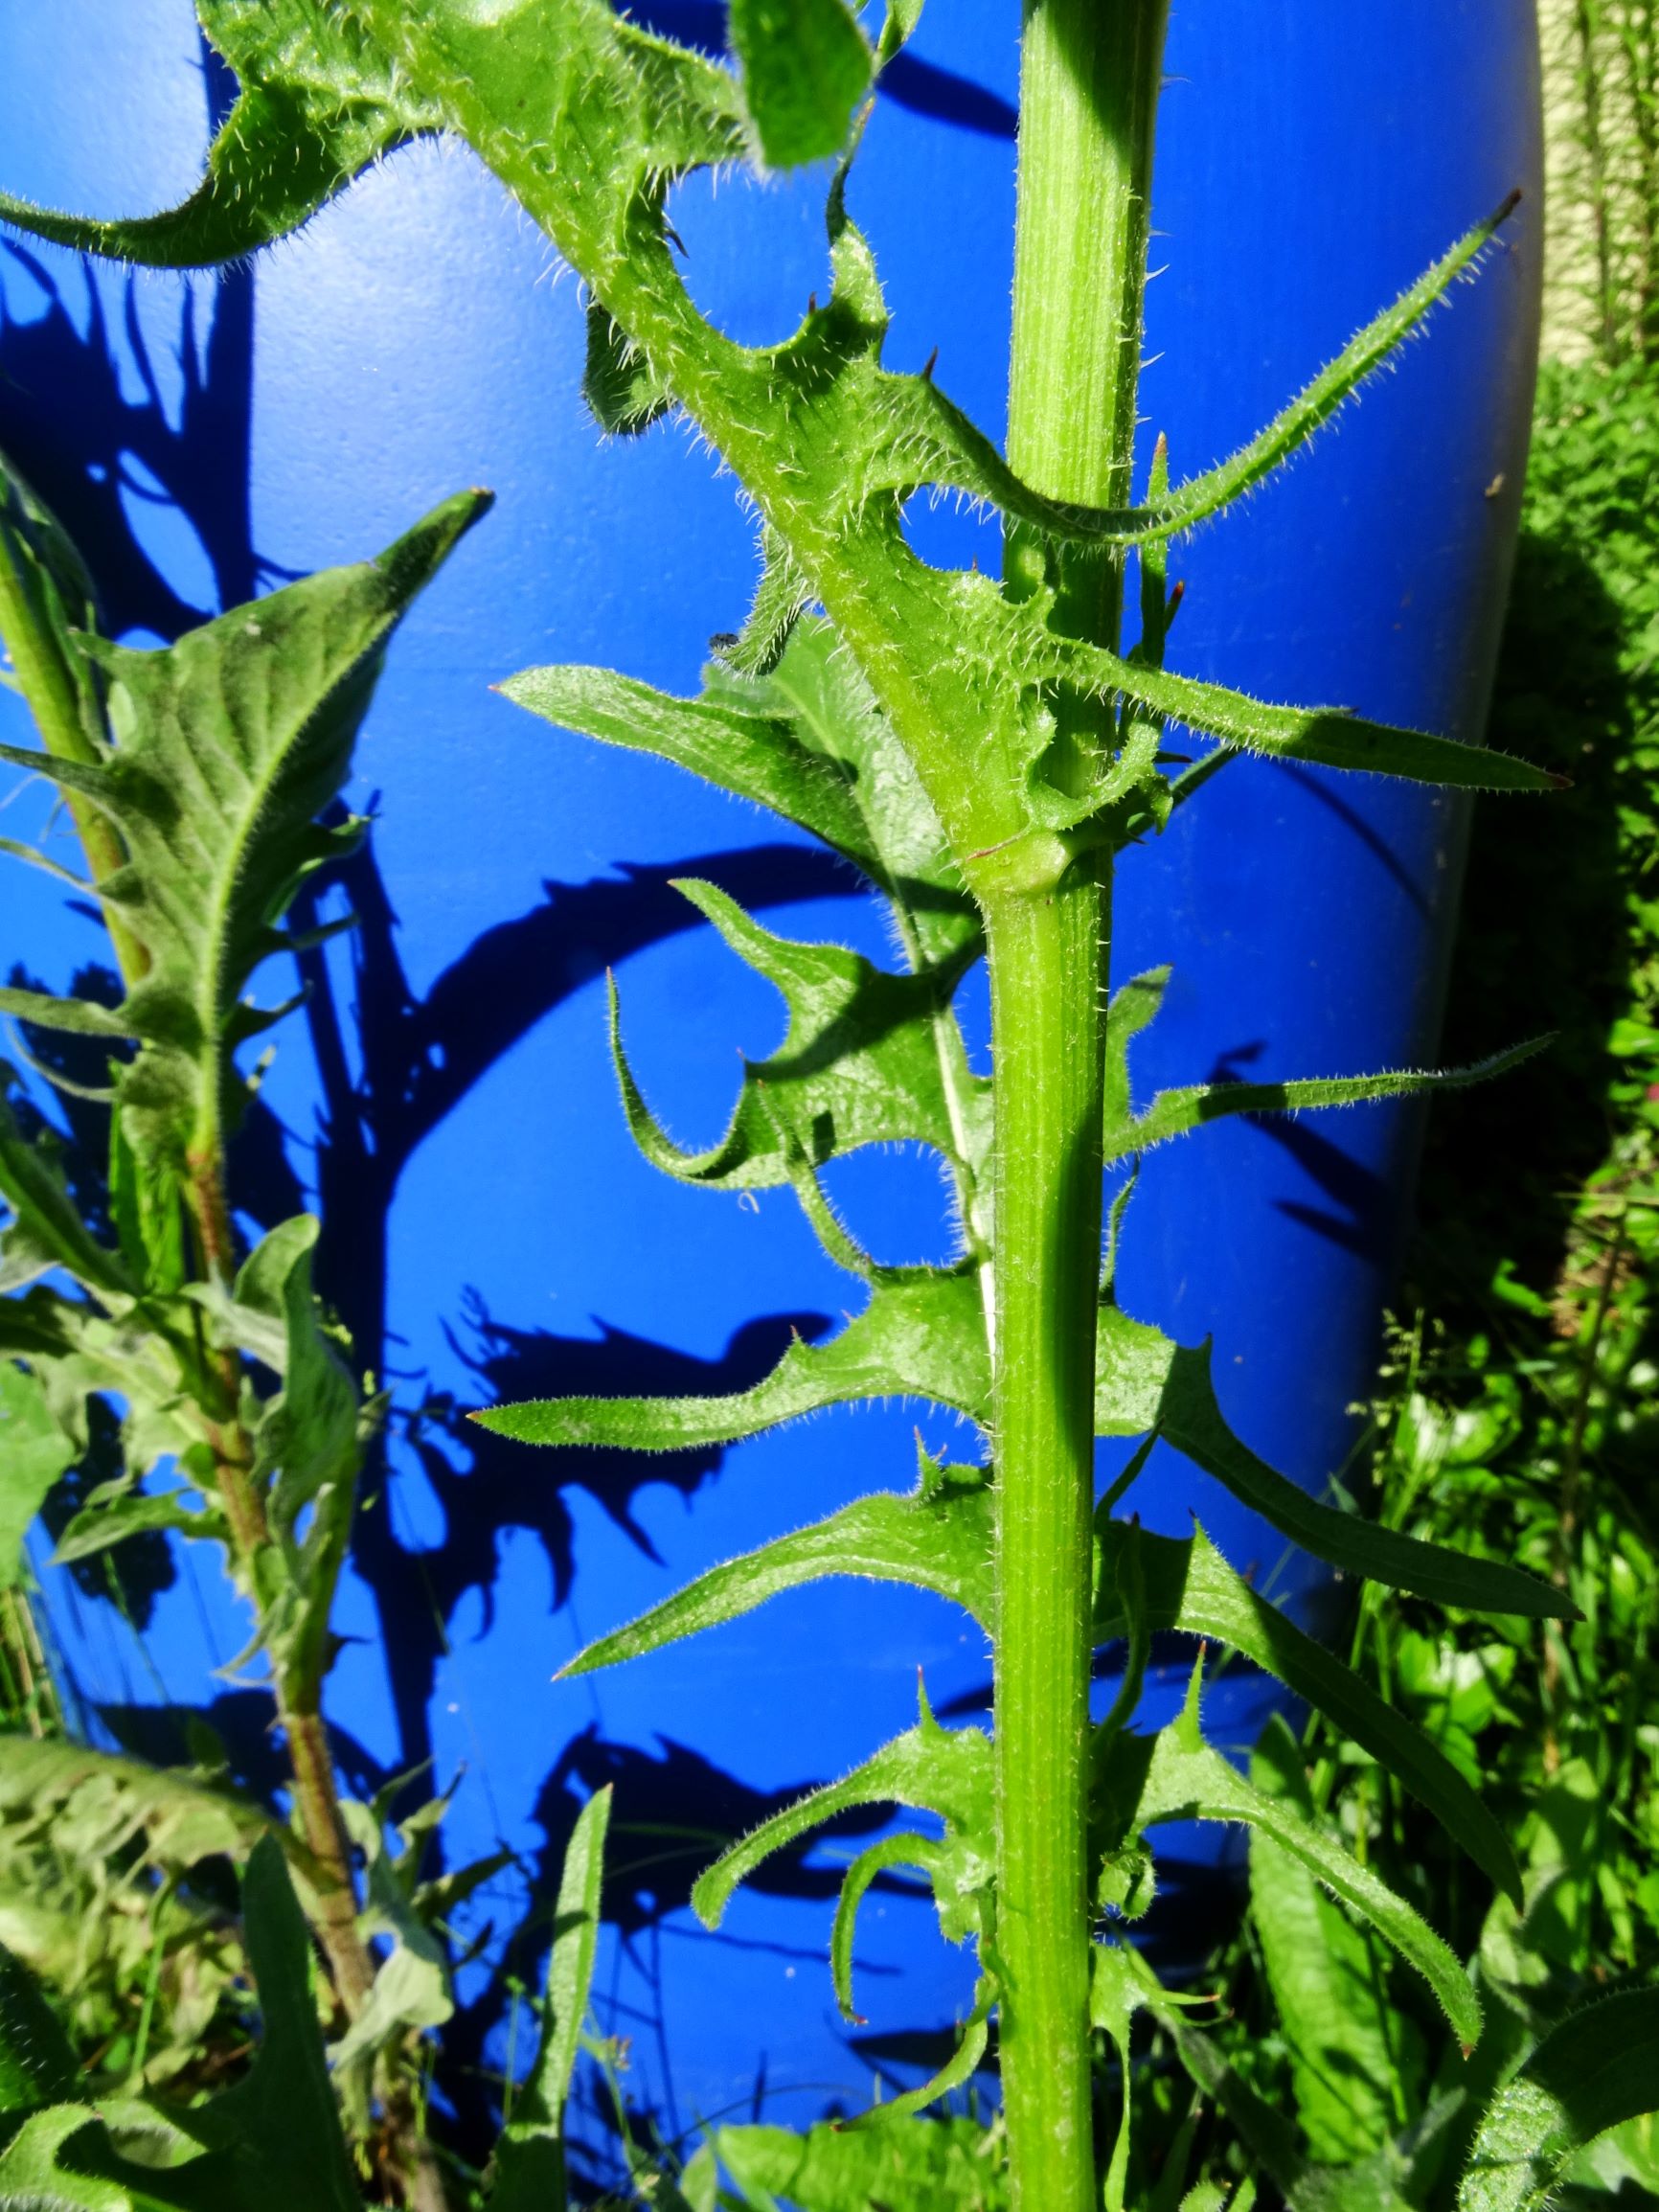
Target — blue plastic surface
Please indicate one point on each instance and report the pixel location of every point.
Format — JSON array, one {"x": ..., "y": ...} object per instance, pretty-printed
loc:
[{"x": 493, "y": 1234}]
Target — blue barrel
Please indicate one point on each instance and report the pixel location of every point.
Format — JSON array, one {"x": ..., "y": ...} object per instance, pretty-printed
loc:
[{"x": 447, "y": 1095}]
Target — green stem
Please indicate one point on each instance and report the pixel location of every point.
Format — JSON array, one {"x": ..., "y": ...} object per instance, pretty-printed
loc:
[
  {"x": 1044, "y": 967},
  {"x": 1090, "y": 73}
]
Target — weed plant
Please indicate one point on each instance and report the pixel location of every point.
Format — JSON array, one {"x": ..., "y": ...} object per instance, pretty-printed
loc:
[{"x": 980, "y": 750}]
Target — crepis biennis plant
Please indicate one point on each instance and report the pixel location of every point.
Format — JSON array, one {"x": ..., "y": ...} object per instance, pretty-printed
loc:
[{"x": 980, "y": 749}]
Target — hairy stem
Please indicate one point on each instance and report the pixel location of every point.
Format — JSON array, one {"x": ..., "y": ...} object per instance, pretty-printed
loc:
[
  {"x": 298, "y": 1692},
  {"x": 1088, "y": 96},
  {"x": 1044, "y": 967}
]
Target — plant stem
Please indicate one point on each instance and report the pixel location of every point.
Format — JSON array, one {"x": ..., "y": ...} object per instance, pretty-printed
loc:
[
  {"x": 1045, "y": 967},
  {"x": 1089, "y": 79}
]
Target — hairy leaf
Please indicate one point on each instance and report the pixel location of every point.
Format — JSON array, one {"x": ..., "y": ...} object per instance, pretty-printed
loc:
[
  {"x": 805, "y": 69},
  {"x": 1177, "y": 1776},
  {"x": 1188, "y": 1585},
  {"x": 530, "y": 2156},
  {"x": 922, "y": 1336},
  {"x": 315, "y": 106},
  {"x": 1173, "y": 1113},
  {"x": 1191, "y": 1420},
  {"x": 939, "y": 1537},
  {"x": 1201, "y": 496},
  {"x": 931, "y": 1768},
  {"x": 859, "y": 1063},
  {"x": 36, "y": 2065},
  {"x": 1598, "y": 2068},
  {"x": 227, "y": 747}
]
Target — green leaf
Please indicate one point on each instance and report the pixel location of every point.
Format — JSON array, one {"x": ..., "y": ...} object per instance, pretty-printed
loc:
[
  {"x": 939, "y": 1537},
  {"x": 1175, "y": 1113},
  {"x": 859, "y": 1063},
  {"x": 617, "y": 383},
  {"x": 1598, "y": 2068},
  {"x": 951, "y": 2162},
  {"x": 1328, "y": 736},
  {"x": 1325, "y": 1978},
  {"x": 1176, "y": 1776},
  {"x": 278, "y": 2131},
  {"x": 254, "y": 716},
  {"x": 35, "y": 1450},
  {"x": 96, "y": 1804},
  {"x": 315, "y": 104},
  {"x": 411, "y": 1986},
  {"x": 805, "y": 66},
  {"x": 106, "y": 1522},
  {"x": 1191, "y": 1418},
  {"x": 46, "y": 1229},
  {"x": 81, "y": 1016},
  {"x": 755, "y": 755},
  {"x": 1268, "y": 2136},
  {"x": 1134, "y": 1005},
  {"x": 921, "y": 1335},
  {"x": 306, "y": 1439},
  {"x": 929, "y": 1769},
  {"x": 528, "y": 2163},
  {"x": 1374, "y": 346},
  {"x": 36, "y": 2065},
  {"x": 1188, "y": 1585},
  {"x": 780, "y": 599}
]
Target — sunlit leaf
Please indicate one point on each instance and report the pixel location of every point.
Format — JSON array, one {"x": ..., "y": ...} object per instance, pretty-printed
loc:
[
  {"x": 1176, "y": 1776},
  {"x": 1598, "y": 2068},
  {"x": 943, "y": 1770},
  {"x": 529, "y": 2171},
  {"x": 922, "y": 1336},
  {"x": 1173, "y": 1113},
  {"x": 1326, "y": 1978},
  {"x": 939, "y": 1537},
  {"x": 859, "y": 1063},
  {"x": 805, "y": 66},
  {"x": 1188, "y": 1585},
  {"x": 1191, "y": 1418},
  {"x": 35, "y": 1450},
  {"x": 315, "y": 104}
]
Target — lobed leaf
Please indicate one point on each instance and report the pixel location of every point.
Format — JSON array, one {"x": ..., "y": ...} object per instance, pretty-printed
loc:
[
  {"x": 1188, "y": 1585},
  {"x": 859, "y": 1063},
  {"x": 939, "y": 1537},
  {"x": 934, "y": 1769},
  {"x": 921, "y": 1335},
  {"x": 1176, "y": 1776},
  {"x": 315, "y": 104}
]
